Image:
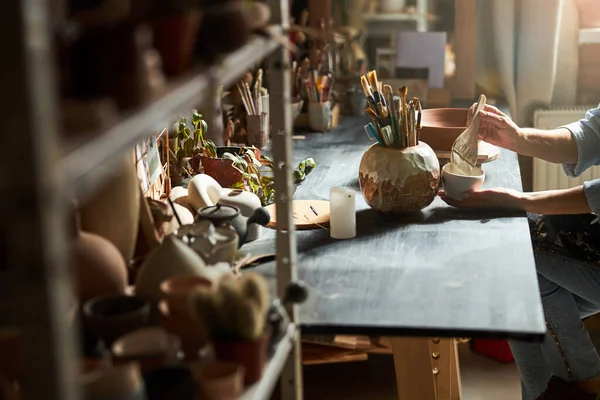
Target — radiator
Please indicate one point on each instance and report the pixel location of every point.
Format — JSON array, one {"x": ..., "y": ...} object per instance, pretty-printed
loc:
[{"x": 548, "y": 176}]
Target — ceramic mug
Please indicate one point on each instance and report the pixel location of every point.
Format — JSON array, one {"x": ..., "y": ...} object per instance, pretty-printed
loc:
[{"x": 455, "y": 184}]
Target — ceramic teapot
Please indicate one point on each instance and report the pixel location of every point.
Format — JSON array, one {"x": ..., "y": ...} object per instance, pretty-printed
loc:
[{"x": 222, "y": 215}]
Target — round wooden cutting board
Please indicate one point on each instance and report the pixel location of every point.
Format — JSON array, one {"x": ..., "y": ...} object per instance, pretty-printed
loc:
[{"x": 304, "y": 216}]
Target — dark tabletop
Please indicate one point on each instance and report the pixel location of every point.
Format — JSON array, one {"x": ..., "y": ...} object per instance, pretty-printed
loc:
[{"x": 443, "y": 272}]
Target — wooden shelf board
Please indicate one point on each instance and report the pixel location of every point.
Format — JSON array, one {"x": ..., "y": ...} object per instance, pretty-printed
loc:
[{"x": 88, "y": 163}]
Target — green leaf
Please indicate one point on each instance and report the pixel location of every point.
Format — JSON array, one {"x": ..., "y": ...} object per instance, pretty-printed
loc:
[
  {"x": 309, "y": 165},
  {"x": 188, "y": 147}
]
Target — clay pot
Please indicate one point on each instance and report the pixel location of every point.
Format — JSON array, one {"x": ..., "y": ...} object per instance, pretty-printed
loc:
[
  {"x": 122, "y": 382},
  {"x": 252, "y": 354},
  {"x": 441, "y": 126},
  {"x": 114, "y": 212},
  {"x": 225, "y": 28},
  {"x": 221, "y": 169},
  {"x": 115, "y": 315},
  {"x": 219, "y": 380},
  {"x": 98, "y": 266},
  {"x": 193, "y": 337},
  {"x": 170, "y": 259},
  {"x": 399, "y": 181},
  {"x": 175, "y": 39},
  {"x": 110, "y": 61},
  {"x": 178, "y": 291}
]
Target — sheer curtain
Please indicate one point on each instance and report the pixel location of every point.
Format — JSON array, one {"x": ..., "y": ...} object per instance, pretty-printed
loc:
[{"x": 527, "y": 53}]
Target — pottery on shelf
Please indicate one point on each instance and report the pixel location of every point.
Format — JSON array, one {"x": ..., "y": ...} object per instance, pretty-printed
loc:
[
  {"x": 112, "y": 316},
  {"x": 214, "y": 245},
  {"x": 194, "y": 338},
  {"x": 114, "y": 212},
  {"x": 172, "y": 382},
  {"x": 221, "y": 169},
  {"x": 228, "y": 216},
  {"x": 123, "y": 382},
  {"x": 399, "y": 181},
  {"x": 151, "y": 347},
  {"x": 441, "y": 126},
  {"x": 204, "y": 190},
  {"x": 97, "y": 265},
  {"x": 247, "y": 202},
  {"x": 252, "y": 354},
  {"x": 171, "y": 258},
  {"x": 175, "y": 38},
  {"x": 219, "y": 380},
  {"x": 178, "y": 290}
]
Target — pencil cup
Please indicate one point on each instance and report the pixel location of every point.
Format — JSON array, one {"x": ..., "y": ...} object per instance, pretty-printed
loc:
[
  {"x": 319, "y": 116},
  {"x": 257, "y": 130},
  {"x": 265, "y": 109}
]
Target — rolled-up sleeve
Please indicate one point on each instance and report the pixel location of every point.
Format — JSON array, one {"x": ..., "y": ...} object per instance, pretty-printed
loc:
[{"x": 586, "y": 133}]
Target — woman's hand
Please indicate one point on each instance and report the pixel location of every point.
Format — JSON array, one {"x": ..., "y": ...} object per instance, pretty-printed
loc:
[
  {"x": 495, "y": 127},
  {"x": 497, "y": 198}
]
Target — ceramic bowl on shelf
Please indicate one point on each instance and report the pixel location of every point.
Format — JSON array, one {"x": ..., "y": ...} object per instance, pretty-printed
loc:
[{"x": 441, "y": 126}]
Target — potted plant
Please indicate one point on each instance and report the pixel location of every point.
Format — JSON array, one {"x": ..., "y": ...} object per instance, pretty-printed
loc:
[
  {"x": 193, "y": 150},
  {"x": 257, "y": 176},
  {"x": 235, "y": 315}
]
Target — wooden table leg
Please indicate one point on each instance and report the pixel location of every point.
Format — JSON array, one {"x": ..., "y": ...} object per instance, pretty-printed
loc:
[
  {"x": 426, "y": 369},
  {"x": 412, "y": 362}
]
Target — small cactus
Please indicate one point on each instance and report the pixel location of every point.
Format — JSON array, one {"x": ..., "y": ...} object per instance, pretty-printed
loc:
[{"x": 236, "y": 310}]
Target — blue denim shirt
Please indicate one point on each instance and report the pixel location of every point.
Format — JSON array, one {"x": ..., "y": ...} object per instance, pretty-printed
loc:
[{"x": 586, "y": 133}]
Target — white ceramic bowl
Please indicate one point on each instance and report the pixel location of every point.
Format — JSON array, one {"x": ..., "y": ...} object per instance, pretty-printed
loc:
[{"x": 456, "y": 184}]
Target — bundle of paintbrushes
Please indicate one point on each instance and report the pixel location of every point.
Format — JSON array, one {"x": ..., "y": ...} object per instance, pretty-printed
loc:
[
  {"x": 396, "y": 122},
  {"x": 312, "y": 84},
  {"x": 252, "y": 94}
]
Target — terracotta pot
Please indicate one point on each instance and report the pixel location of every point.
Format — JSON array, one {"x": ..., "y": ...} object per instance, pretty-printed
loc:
[
  {"x": 441, "y": 126},
  {"x": 252, "y": 354},
  {"x": 224, "y": 29},
  {"x": 399, "y": 181},
  {"x": 221, "y": 169},
  {"x": 175, "y": 39},
  {"x": 97, "y": 265},
  {"x": 113, "y": 316},
  {"x": 114, "y": 212},
  {"x": 219, "y": 380},
  {"x": 178, "y": 291},
  {"x": 193, "y": 337}
]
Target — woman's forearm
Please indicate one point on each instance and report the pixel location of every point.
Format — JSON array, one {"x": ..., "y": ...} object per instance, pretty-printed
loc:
[
  {"x": 566, "y": 201},
  {"x": 555, "y": 146}
]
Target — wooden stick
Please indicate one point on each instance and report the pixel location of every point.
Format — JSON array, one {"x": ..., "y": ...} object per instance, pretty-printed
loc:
[{"x": 244, "y": 100}]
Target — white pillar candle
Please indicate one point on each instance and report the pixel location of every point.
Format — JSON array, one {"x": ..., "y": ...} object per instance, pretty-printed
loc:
[{"x": 342, "y": 213}]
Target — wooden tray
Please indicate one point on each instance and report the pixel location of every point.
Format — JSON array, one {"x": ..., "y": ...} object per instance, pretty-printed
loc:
[{"x": 304, "y": 217}]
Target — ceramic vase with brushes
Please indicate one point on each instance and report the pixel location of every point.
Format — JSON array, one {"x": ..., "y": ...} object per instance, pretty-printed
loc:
[{"x": 398, "y": 174}]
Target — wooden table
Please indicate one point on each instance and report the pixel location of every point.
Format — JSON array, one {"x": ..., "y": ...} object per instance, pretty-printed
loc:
[{"x": 444, "y": 272}]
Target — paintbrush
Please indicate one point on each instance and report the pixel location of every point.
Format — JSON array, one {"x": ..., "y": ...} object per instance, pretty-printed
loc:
[
  {"x": 389, "y": 98},
  {"x": 403, "y": 91},
  {"x": 372, "y": 77},
  {"x": 419, "y": 112},
  {"x": 367, "y": 91}
]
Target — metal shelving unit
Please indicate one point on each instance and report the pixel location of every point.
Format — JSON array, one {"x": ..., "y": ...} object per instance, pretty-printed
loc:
[{"x": 39, "y": 179}]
